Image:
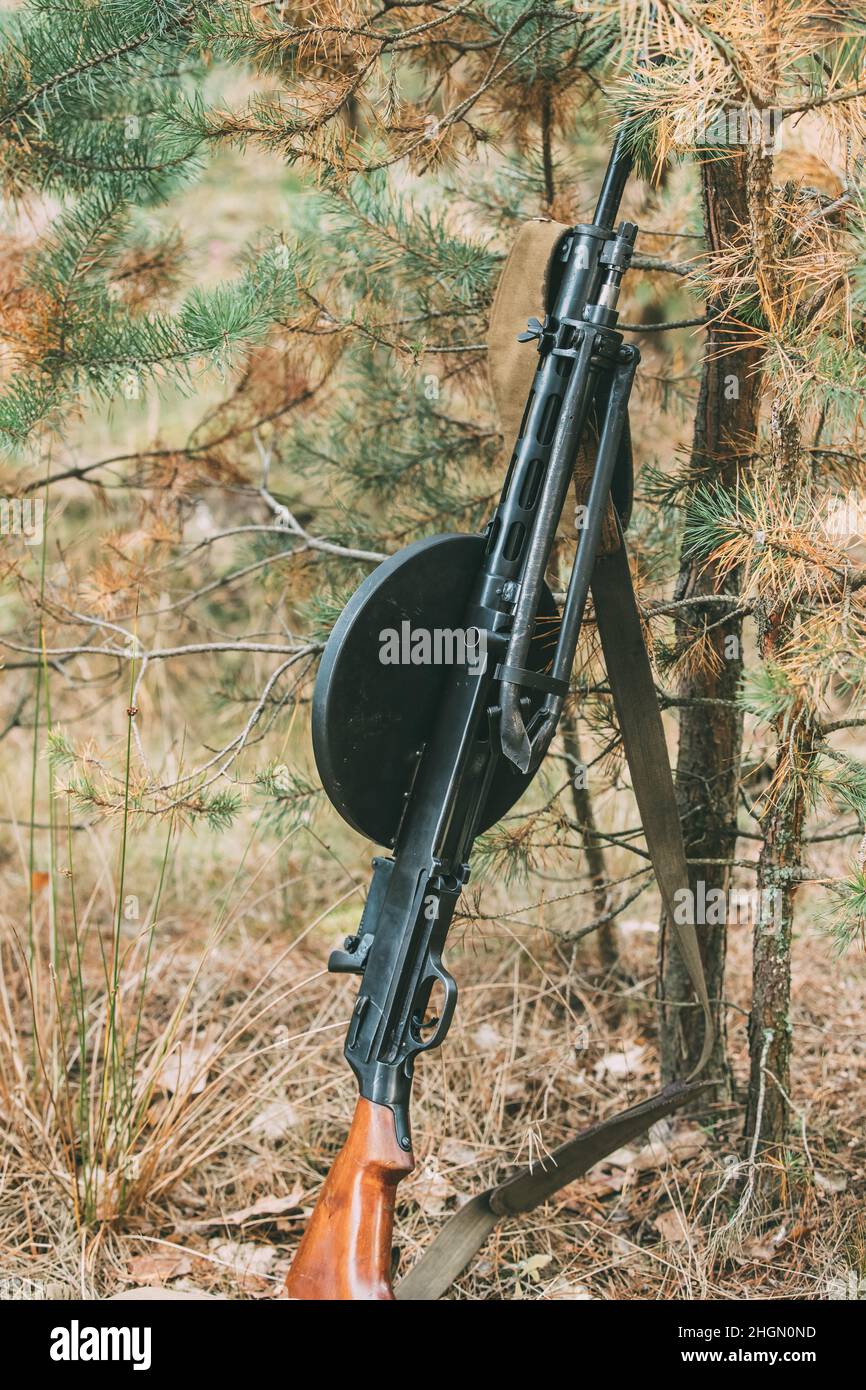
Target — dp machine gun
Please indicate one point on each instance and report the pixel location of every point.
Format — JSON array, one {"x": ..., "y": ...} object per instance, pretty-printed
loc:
[{"x": 423, "y": 758}]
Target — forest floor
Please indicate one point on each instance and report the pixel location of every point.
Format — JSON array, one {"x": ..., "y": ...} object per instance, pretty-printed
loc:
[{"x": 241, "y": 1098}]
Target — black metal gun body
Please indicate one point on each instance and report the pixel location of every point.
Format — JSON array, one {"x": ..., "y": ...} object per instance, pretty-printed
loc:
[{"x": 485, "y": 718}]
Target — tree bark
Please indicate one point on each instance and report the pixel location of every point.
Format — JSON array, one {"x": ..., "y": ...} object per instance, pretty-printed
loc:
[
  {"x": 606, "y": 936},
  {"x": 710, "y": 736},
  {"x": 782, "y": 816},
  {"x": 769, "y": 1018}
]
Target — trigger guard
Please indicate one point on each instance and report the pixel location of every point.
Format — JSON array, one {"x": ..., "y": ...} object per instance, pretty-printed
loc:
[{"x": 438, "y": 974}]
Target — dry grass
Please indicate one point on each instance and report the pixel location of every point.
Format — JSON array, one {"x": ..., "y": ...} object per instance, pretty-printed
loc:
[{"x": 210, "y": 1187}]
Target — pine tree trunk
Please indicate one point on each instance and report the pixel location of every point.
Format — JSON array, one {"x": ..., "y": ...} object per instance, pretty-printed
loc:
[
  {"x": 782, "y": 817},
  {"x": 769, "y": 1019},
  {"x": 606, "y": 937},
  {"x": 710, "y": 735}
]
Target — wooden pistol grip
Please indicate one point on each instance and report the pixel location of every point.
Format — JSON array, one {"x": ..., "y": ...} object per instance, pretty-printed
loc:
[{"x": 345, "y": 1252}]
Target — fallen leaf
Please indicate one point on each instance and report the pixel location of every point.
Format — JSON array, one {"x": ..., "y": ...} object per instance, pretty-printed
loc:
[
  {"x": 515, "y": 1089},
  {"x": 245, "y": 1257},
  {"x": 573, "y": 1196},
  {"x": 534, "y": 1265},
  {"x": 185, "y": 1069},
  {"x": 831, "y": 1182},
  {"x": 847, "y": 1284},
  {"x": 671, "y": 1145},
  {"x": 271, "y": 1288},
  {"x": 671, "y": 1227},
  {"x": 456, "y": 1152},
  {"x": 159, "y": 1268},
  {"x": 605, "y": 1182},
  {"x": 487, "y": 1038},
  {"x": 158, "y": 1110},
  {"x": 578, "y": 1195},
  {"x": 266, "y": 1206},
  {"x": 431, "y": 1189},
  {"x": 622, "y": 1158},
  {"x": 620, "y": 1063},
  {"x": 756, "y": 1249},
  {"x": 275, "y": 1121},
  {"x": 255, "y": 1286},
  {"x": 189, "y": 1198},
  {"x": 561, "y": 1290}
]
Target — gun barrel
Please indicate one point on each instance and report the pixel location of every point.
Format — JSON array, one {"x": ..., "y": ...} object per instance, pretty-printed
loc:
[{"x": 615, "y": 178}]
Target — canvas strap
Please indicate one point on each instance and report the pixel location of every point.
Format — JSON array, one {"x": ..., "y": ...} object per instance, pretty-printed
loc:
[
  {"x": 640, "y": 723},
  {"x": 463, "y": 1235},
  {"x": 524, "y": 284}
]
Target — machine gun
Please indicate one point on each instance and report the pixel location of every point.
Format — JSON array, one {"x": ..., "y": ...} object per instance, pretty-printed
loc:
[{"x": 422, "y": 758}]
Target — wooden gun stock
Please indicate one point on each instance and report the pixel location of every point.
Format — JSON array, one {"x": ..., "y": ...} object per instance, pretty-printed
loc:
[{"x": 345, "y": 1252}]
